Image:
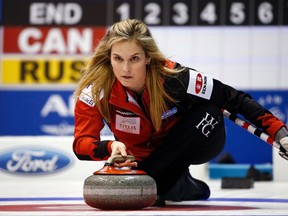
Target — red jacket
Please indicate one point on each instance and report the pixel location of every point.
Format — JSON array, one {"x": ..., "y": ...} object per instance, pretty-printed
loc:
[{"x": 131, "y": 124}]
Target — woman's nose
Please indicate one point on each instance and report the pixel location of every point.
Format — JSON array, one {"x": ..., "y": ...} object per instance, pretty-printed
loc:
[{"x": 126, "y": 66}]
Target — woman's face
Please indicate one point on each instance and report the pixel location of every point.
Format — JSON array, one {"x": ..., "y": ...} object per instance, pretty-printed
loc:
[{"x": 129, "y": 62}]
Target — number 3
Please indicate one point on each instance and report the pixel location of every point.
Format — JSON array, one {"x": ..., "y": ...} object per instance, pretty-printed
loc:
[{"x": 181, "y": 17}]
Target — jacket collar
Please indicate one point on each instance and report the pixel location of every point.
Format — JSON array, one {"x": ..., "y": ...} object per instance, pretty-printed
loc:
[
  {"x": 122, "y": 98},
  {"x": 118, "y": 92}
]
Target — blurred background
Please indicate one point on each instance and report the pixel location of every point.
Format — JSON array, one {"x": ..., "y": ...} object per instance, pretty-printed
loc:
[{"x": 44, "y": 45}]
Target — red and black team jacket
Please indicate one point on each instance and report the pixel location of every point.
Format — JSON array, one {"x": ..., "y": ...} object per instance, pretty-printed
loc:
[{"x": 131, "y": 122}]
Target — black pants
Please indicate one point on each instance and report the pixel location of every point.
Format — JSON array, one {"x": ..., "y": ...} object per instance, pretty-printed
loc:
[{"x": 197, "y": 138}]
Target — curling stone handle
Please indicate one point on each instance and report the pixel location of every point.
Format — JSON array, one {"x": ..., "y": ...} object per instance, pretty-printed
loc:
[
  {"x": 110, "y": 169},
  {"x": 120, "y": 158}
]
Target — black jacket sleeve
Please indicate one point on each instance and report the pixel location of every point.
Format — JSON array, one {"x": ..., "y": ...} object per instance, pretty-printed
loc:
[{"x": 234, "y": 101}]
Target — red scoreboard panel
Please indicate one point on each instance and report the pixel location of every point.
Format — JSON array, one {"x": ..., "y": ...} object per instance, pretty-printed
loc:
[{"x": 51, "y": 40}]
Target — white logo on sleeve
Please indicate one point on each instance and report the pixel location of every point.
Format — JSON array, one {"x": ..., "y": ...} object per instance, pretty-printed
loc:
[
  {"x": 200, "y": 85},
  {"x": 128, "y": 124},
  {"x": 86, "y": 96}
]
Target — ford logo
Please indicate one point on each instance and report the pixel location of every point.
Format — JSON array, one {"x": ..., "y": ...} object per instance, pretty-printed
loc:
[{"x": 33, "y": 160}]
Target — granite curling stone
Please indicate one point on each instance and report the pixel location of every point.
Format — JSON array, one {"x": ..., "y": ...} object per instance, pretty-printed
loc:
[{"x": 112, "y": 188}]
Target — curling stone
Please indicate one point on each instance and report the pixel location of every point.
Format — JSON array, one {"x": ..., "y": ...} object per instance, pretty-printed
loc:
[{"x": 114, "y": 188}]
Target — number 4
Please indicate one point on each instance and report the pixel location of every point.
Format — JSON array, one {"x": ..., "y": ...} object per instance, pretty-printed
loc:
[{"x": 209, "y": 13}]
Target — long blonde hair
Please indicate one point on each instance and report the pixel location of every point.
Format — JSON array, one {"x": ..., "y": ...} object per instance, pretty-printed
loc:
[{"x": 98, "y": 70}]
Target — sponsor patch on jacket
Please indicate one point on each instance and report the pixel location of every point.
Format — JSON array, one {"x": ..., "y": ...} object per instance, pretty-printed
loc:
[
  {"x": 125, "y": 113},
  {"x": 86, "y": 96},
  {"x": 200, "y": 85},
  {"x": 169, "y": 113},
  {"x": 128, "y": 124}
]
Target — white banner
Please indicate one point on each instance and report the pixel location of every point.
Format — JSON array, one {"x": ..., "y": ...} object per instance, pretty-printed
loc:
[{"x": 42, "y": 158}]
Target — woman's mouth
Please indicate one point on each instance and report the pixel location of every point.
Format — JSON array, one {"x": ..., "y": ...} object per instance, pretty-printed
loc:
[{"x": 127, "y": 77}]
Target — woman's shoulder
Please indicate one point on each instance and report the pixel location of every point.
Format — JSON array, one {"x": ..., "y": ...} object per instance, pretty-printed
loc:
[
  {"x": 87, "y": 89},
  {"x": 86, "y": 95},
  {"x": 170, "y": 64}
]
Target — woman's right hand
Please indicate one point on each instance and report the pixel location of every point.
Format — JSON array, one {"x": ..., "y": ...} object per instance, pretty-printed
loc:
[{"x": 119, "y": 148}]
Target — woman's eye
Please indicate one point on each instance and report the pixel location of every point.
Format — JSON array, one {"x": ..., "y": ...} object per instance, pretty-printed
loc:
[
  {"x": 135, "y": 58},
  {"x": 117, "y": 58}
]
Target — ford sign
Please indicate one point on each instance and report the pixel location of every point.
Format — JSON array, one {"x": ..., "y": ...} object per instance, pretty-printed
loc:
[{"x": 33, "y": 160}]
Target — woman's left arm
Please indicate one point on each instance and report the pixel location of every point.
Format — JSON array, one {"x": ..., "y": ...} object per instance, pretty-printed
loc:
[{"x": 201, "y": 88}]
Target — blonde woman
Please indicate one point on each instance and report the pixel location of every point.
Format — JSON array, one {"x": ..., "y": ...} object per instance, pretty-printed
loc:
[{"x": 168, "y": 116}]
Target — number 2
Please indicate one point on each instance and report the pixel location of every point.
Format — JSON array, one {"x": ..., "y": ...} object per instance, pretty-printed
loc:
[{"x": 153, "y": 11}]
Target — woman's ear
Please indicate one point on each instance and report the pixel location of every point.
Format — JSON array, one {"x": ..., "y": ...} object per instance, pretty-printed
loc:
[{"x": 148, "y": 61}]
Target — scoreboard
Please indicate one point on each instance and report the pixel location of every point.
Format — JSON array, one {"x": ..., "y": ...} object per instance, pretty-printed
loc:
[{"x": 152, "y": 12}]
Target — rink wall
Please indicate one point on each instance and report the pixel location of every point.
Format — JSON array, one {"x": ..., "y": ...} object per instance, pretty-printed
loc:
[
  {"x": 42, "y": 158},
  {"x": 50, "y": 158},
  {"x": 242, "y": 43}
]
